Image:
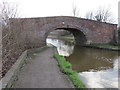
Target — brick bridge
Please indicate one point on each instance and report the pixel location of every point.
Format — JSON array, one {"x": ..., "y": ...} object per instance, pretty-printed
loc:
[
  {"x": 82, "y": 29},
  {"x": 26, "y": 33}
]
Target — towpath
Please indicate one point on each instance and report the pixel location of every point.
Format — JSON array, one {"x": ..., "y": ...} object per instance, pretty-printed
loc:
[{"x": 42, "y": 71}]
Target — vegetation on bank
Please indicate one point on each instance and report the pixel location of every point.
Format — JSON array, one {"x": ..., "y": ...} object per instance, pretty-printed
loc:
[
  {"x": 107, "y": 46},
  {"x": 68, "y": 37},
  {"x": 66, "y": 68}
]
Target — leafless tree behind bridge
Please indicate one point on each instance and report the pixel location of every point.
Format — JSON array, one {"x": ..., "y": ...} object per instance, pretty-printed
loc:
[{"x": 101, "y": 15}]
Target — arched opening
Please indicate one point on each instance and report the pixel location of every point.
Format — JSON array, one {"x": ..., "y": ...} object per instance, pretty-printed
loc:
[
  {"x": 80, "y": 38},
  {"x": 78, "y": 35},
  {"x": 62, "y": 39},
  {"x": 65, "y": 39}
]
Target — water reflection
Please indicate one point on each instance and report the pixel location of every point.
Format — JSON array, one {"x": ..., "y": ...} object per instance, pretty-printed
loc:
[
  {"x": 64, "y": 48},
  {"x": 96, "y": 68},
  {"x": 85, "y": 59},
  {"x": 101, "y": 79}
]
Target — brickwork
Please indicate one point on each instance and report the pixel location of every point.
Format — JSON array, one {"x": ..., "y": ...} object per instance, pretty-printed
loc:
[{"x": 94, "y": 31}]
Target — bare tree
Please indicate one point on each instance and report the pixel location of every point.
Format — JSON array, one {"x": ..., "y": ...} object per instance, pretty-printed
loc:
[
  {"x": 8, "y": 10},
  {"x": 101, "y": 15},
  {"x": 90, "y": 15},
  {"x": 75, "y": 10}
]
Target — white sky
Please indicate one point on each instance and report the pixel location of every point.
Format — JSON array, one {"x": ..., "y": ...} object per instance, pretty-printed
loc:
[{"x": 43, "y": 8}]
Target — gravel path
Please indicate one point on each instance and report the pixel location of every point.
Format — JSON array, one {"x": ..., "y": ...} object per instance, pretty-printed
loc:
[{"x": 42, "y": 72}]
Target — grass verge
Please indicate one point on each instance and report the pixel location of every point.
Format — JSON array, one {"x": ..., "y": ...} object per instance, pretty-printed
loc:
[
  {"x": 66, "y": 68},
  {"x": 107, "y": 46}
]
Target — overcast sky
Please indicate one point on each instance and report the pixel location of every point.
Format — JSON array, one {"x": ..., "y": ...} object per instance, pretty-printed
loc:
[{"x": 43, "y": 8}]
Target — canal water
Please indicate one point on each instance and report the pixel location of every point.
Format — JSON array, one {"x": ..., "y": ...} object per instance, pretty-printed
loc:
[{"x": 96, "y": 68}]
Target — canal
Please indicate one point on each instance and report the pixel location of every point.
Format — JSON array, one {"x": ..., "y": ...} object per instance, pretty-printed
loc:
[{"x": 96, "y": 68}]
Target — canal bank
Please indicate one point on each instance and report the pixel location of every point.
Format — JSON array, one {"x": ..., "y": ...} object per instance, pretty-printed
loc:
[
  {"x": 94, "y": 66},
  {"x": 104, "y": 46},
  {"x": 42, "y": 71}
]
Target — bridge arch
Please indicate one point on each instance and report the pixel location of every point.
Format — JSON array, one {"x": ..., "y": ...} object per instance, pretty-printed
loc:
[{"x": 80, "y": 37}]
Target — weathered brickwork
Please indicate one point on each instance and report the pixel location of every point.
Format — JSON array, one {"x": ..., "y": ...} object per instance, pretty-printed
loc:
[
  {"x": 28, "y": 33},
  {"x": 94, "y": 31}
]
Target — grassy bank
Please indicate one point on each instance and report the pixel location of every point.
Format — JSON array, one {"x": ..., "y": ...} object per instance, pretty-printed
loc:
[
  {"x": 105, "y": 46},
  {"x": 66, "y": 68},
  {"x": 68, "y": 37}
]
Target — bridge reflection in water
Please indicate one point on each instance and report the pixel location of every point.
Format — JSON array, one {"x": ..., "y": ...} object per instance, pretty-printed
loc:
[{"x": 96, "y": 68}]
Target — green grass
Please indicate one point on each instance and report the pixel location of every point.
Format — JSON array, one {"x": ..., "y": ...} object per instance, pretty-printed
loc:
[
  {"x": 105, "y": 46},
  {"x": 66, "y": 68},
  {"x": 68, "y": 37}
]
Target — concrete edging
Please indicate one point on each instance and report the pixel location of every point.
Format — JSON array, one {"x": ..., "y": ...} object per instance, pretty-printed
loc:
[{"x": 8, "y": 80}]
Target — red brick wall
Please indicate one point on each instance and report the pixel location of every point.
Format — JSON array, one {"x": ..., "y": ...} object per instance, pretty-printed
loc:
[{"x": 94, "y": 31}]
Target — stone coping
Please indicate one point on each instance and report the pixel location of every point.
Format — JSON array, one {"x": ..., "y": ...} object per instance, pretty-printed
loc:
[{"x": 8, "y": 80}]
